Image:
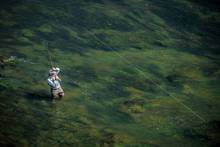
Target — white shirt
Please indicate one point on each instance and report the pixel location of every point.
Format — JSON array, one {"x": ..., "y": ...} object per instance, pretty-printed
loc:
[{"x": 54, "y": 84}]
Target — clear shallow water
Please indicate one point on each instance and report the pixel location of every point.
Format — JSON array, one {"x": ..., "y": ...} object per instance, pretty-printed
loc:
[{"x": 135, "y": 73}]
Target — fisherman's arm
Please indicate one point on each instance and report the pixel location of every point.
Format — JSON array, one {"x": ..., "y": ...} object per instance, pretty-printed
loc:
[
  {"x": 51, "y": 83},
  {"x": 57, "y": 69},
  {"x": 58, "y": 78}
]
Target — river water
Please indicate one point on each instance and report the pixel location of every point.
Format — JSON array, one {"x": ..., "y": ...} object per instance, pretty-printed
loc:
[{"x": 135, "y": 73}]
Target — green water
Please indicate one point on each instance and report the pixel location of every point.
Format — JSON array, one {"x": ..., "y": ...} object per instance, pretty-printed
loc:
[{"x": 136, "y": 73}]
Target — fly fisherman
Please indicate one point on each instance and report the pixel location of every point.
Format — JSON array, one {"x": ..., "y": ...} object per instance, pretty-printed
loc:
[{"x": 54, "y": 83}]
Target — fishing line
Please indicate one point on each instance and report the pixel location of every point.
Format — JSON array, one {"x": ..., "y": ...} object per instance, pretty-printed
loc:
[{"x": 143, "y": 73}]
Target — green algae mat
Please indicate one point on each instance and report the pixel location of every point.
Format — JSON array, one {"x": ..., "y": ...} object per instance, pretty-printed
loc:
[{"x": 136, "y": 73}]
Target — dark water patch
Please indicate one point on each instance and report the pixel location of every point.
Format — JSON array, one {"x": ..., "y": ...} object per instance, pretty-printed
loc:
[
  {"x": 73, "y": 84},
  {"x": 107, "y": 138},
  {"x": 207, "y": 132},
  {"x": 3, "y": 87},
  {"x": 135, "y": 102},
  {"x": 140, "y": 17},
  {"x": 116, "y": 90},
  {"x": 192, "y": 134},
  {"x": 109, "y": 92},
  {"x": 96, "y": 42},
  {"x": 62, "y": 40},
  {"x": 25, "y": 22},
  {"x": 25, "y": 18},
  {"x": 9, "y": 3},
  {"x": 94, "y": 1},
  {"x": 119, "y": 24},
  {"x": 98, "y": 19},
  {"x": 82, "y": 73},
  {"x": 8, "y": 142},
  {"x": 213, "y": 126},
  {"x": 210, "y": 70},
  {"x": 136, "y": 82},
  {"x": 15, "y": 43},
  {"x": 2, "y": 65},
  {"x": 119, "y": 2},
  {"x": 182, "y": 22},
  {"x": 211, "y": 4},
  {"x": 160, "y": 44},
  {"x": 56, "y": 35},
  {"x": 39, "y": 95},
  {"x": 109, "y": 114},
  {"x": 153, "y": 69},
  {"x": 175, "y": 80},
  {"x": 10, "y": 91},
  {"x": 141, "y": 145}
]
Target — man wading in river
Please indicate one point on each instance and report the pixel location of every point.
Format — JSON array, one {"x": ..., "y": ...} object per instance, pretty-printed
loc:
[{"x": 54, "y": 83}]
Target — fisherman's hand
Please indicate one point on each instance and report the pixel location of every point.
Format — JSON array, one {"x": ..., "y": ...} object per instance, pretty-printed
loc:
[{"x": 57, "y": 78}]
